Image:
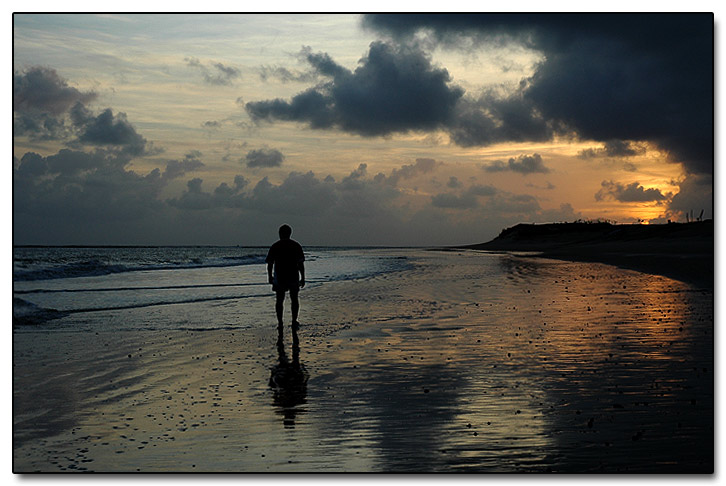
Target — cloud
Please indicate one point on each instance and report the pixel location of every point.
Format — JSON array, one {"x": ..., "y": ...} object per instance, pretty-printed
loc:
[
  {"x": 285, "y": 75},
  {"x": 632, "y": 192},
  {"x": 422, "y": 166},
  {"x": 264, "y": 157},
  {"x": 41, "y": 100},
  {"x": 215, "y": 73},
  {"x": 468, "y": 199},
  {"x": 395, "y": 89},
  {"x": 82, "y": 187},
  {"x": 45, "y": 107},
  {"x": 523, "y": 206},
  {"x": 75, "y": 197},
  {"x": 453, "y": 201},
  {"x": 479, "y": 190},
  {"x": 223, "y": 196},
  {"x": 493, "y": 118},
  {"x": 106, "y": 129},
  {"x": 695, "y": 194},
  {"x": 177, "y": 168},
  {"x": 548, "y": 186},
  {"x": 299, "y": 193},
  {"x": 607, "y": 77},
  {"x": 454, "y": 183},
  {"x": 194, "y": 197},
  {"x": 612, "y": 148},
  {"x": 41, "y": 89},
  {"x": 524, "y": 164},
  {"x": 563, "y": 214}
]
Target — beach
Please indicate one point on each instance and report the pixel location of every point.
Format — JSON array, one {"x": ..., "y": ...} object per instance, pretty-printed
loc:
[
  {"x": 458, "y": 361},
  {"x": 681, "y": 251}
]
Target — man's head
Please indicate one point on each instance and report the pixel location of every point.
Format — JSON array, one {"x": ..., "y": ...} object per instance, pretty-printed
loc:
[{"x": 285, "y": 232}]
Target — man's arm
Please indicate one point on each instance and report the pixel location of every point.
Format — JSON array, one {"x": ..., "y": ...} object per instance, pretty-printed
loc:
[
  {"x": 301, "y": 269},
  {"x": 269, "y": 272}
]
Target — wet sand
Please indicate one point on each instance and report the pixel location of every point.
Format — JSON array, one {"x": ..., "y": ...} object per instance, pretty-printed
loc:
[{"x": 559, "y": 366}]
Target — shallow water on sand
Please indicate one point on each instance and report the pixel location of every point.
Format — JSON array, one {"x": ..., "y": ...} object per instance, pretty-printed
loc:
[{"x": 462, "y": 362}]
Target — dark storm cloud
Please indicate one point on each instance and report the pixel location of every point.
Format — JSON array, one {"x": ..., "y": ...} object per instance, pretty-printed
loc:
[
  {"x": 606, "y": 76},
  {"x": 492, "y": 119},
  {"x": 357, "y": 199},
  {"x": 40, "y": 126},
  {"x": 524, "y": 164},
  {"x": 41, "y": 99},
  {"x": 394, "y": 89},
  {"x": 225, "y": 191},
  {"x": 397, "y": 89},
  {"x": 46, "y": 107},
  {"x": 310, "y": 107},
  {"x": 81, "y": 187},
  {"x": 356, "y": 196},
  {"x": 633, "y": 192},
  {"x": 695, "y": 194},
  {"x": 107, "y": 129},
  {"x": 264, "y": 157},
  {"x": 215, "y": 73},
  {"x": 323, "y": 64},
  {"x": 74, "y": 189},
  {"x": 298, "y": 194},
  {"x": 193, "y": 198},
  {"x": 612, "y": 148},
  {"x": 43, "y": 90},
  {"x": 224, "y": 196},
  {"x": 66, "y": 163}
]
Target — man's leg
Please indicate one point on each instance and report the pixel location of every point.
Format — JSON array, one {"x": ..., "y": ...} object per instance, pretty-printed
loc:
[
  {"x": 294, "y": 306},
  {"x": 279, "y": 299}
]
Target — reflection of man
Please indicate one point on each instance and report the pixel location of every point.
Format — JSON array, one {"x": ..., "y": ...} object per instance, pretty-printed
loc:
[
  {"x": 289, "y": 380},
  {"x": 286, "y": 259}
]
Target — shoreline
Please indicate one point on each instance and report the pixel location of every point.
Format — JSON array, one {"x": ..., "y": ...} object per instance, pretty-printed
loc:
[
  {"x": 684, "y": 252},
  {"x": 697, "y": 271}
]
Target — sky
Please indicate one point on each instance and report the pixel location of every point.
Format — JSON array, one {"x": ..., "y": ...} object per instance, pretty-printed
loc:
[{"x": 406, "y": 130}]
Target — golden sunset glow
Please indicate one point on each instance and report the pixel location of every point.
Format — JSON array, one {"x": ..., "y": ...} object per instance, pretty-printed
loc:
[{"x": 462, "y": 142}]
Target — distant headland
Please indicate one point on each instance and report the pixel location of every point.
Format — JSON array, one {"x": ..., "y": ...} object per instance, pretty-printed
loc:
[{"x": 684, "y": 251}]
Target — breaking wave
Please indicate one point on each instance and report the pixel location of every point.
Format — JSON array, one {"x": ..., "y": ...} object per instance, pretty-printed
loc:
[{"x": 28, "y": 269}]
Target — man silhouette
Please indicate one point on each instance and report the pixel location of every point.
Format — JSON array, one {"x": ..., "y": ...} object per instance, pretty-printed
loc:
[{"x": 286, "y": 259}]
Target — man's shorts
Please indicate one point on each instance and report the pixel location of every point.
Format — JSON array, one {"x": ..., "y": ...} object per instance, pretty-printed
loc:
[{"x": 291, "y": 285}]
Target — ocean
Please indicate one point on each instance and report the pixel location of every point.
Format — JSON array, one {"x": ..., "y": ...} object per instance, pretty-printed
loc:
[{"x": 75, "y": 288}]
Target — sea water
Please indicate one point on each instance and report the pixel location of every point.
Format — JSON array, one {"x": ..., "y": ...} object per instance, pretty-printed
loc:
[{"x": 126, "y": 288}]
